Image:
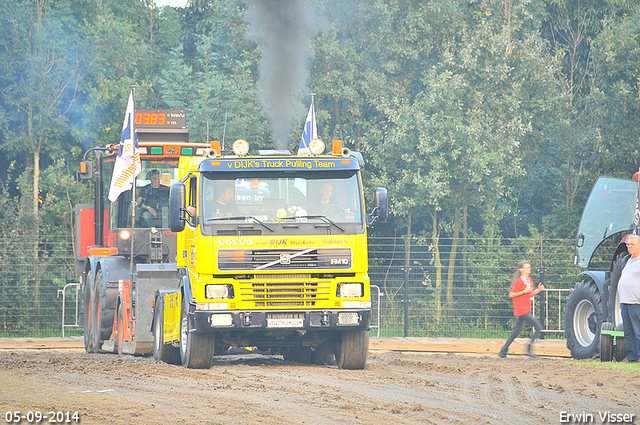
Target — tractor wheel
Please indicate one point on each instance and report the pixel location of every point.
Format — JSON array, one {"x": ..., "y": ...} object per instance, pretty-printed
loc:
[
  {"x": 96, "y": 315},
  {"x": 196, "y": 348},
  {"x": 583, "y": 319},
  {"x": 619, "y": 349},
  {"x": 118, "y": 338},
  {"x": 352, "y": 350},
  {"x": 87, "y": 313},
  {"x": 161, "y": 351},
  {"x": 606, "y": 343}
]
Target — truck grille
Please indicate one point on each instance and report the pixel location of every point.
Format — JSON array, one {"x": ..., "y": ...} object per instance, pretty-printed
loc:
[
  {"x": 285, "y": 294},
  {"x": 284, "y": 259}
]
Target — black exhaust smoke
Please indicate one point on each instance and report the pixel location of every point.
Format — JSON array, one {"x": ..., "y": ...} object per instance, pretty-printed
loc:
[{"x": 284, "y": 30}]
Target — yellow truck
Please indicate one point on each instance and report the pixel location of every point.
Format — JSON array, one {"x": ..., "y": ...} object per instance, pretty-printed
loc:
[{"x": 271, "y": 253}]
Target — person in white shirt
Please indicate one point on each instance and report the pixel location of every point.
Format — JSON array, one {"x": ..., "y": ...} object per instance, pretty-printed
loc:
[{"x": 629, "y": 292}]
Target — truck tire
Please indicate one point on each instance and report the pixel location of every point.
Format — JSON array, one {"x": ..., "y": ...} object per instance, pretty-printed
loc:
[
  {"x": 619, "y": 349},
  {"x": 583, "y": 319},
  {"x": 87, "y": 312},
  {"x": 324, "y": 354},
  {"x": 352, "y": 350},
  {"x": 606, "y": 343},
  {"x": 196, "y": 348},
  {"x": 298, "y": 354},
  {"x": 161, "y": 351}
]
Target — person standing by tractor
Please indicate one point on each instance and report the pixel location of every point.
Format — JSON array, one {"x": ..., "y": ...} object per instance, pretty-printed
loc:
[
  {"x": 521, "y": 292},
  {"x": 629, "y": 292}
]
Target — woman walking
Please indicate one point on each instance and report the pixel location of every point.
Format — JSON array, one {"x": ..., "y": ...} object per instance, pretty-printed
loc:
[{"x": 521, "y": 292}]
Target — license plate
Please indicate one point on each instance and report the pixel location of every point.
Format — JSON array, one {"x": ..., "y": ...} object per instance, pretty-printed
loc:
[{"x": 285, "y": 323}]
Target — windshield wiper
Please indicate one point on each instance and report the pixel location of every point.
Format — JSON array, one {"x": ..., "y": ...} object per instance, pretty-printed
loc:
[
  {"x": 323, "y": 218},
  {"x": 242, "y": 217}
]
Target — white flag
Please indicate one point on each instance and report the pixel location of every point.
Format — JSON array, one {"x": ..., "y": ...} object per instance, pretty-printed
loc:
[
  {"x": 309, "y": 132},
  {"x": 127, "y": 164}
]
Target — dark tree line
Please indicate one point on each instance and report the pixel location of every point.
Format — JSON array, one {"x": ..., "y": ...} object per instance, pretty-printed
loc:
[{"x": 482, "y": 118}]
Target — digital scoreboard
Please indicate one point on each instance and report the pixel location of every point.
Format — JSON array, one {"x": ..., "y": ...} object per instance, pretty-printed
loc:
[{"x": 160, "y": 119}]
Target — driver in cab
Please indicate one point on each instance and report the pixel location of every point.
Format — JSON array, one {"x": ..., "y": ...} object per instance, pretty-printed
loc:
[
  {"x": 326, "y": 191},
  {"x": 152, "y": 197},
  {"x": 326, "y": 204},
  {"x": 225, "y": 205}
]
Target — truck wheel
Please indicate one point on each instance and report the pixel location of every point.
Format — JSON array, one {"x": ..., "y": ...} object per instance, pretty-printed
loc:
[
  {"x": 352, "y": 351},
  {"x": 300, "y": 355},
  {"x": 606, "y": 343},
  {"x": 324, "y": 354},
  {"x": 161, "y": 351},
  {"x": 619, "y": 349},
  {"x": 582, "y": 320},
  {"x": 196, "y": 348},
  {"x": 87, "y": 312}
]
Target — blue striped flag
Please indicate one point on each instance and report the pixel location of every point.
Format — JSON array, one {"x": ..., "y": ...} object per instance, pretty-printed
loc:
[
  {"x": 127, "y": 164},
  {"x": 309, "y": 132}
]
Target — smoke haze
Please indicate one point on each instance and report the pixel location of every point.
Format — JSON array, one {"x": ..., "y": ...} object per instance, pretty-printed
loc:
[{"x": 284, "y": 30}]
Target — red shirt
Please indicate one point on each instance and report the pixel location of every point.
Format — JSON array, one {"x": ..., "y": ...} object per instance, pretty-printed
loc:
[{"x": 522, "y": 303}]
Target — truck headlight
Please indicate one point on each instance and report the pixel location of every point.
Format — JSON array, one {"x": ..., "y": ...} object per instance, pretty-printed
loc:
[
  {"x": 218, "y": 292},
  {"x": 350, "y": 290}
]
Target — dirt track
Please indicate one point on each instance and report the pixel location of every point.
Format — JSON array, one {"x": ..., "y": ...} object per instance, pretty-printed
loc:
[{"x": 395, "y": 387}]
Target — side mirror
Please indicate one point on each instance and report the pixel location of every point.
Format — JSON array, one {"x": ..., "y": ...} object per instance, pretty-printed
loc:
[
  {"x": 176, "y": 207},
  {"x": 86, "y": 170},
  {"x": 380, "y": 206}
]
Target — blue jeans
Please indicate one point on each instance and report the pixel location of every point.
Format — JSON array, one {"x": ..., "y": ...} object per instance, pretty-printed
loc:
[
  {"x": 631, "y": 324},
  {"x": 518, "y": 327}
]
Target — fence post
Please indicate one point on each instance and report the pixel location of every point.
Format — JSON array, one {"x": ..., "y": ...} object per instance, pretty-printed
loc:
[
  {"x": 407, "y": 262},
  {"x": 406, "y": 301},
  {"x": 543, "y": 301}
]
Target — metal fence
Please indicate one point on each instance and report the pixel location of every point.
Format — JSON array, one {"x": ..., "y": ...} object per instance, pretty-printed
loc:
[
  {"x": 455, "y": 288},
  {"x": 459, "y": 288}
]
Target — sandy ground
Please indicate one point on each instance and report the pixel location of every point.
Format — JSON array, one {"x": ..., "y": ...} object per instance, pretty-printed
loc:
[{"x": 250, "y": 388}]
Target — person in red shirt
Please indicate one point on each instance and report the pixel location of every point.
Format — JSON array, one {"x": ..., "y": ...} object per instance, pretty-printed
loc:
[{"x": 521, "y": 292}]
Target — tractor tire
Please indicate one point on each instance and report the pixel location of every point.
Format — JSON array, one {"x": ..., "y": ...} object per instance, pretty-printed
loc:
[
  {"x": 161, "y": 351},
  {"x": 606, "y": 343},
  {"x": 196, "y": 348},
  {"x": 583, "y": 319},
  {"x": 96, "y": 317},
  {"x": 352, "y": 350},
  {"x": 619, "y": 350},
  {"x": 87, "y": 313},
  {"x": 118, "y": 338}
]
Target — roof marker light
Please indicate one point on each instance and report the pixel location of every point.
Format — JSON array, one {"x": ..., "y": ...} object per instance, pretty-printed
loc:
[
  {"x": 316, "y": 146},
  {"x": 240, "y": 147}
]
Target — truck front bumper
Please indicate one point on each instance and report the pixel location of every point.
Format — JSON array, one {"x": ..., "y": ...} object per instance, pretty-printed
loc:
[{"x": 269, "y": 320}]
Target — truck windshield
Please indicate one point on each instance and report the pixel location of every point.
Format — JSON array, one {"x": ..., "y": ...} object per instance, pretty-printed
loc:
[
  {"x": 314, "y": 197},
  {"x": 609, "y": 210}
]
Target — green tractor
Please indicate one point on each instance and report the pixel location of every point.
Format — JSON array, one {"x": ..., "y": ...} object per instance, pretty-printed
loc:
[{"x": 592, "y": 321}]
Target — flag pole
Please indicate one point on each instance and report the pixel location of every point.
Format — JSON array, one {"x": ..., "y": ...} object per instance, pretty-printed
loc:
[{"x": 133, "y": 186}]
